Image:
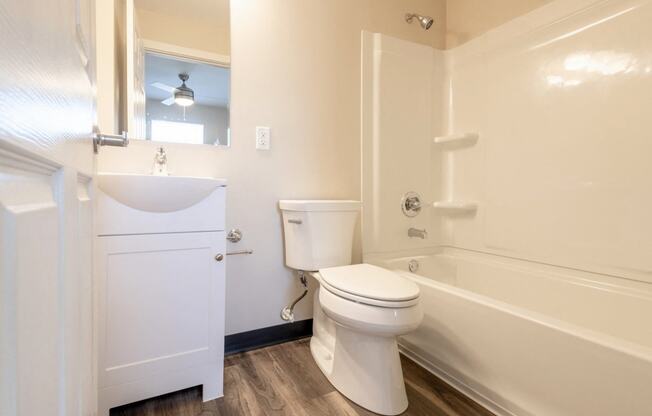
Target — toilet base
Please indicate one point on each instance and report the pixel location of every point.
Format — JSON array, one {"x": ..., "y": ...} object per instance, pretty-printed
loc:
[{"x": 364, "y": 368}]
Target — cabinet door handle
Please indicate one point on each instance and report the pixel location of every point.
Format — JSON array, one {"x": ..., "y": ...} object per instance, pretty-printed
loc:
[
  {"x": 293, "y": 221},
  {"x": 219, "y": 257}
]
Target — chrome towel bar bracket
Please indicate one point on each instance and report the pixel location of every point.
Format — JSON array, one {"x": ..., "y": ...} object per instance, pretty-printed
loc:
[{"x": 235, "y": 253}]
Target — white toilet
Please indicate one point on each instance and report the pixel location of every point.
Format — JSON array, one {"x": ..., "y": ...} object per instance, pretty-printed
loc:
[{"x": 359, "y": 310}]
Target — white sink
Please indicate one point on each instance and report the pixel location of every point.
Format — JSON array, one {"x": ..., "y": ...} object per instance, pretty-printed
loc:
[{"x": 157, "y": 193}]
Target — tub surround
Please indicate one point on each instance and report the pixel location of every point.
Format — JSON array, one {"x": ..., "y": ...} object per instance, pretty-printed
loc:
[
  {"x": 469, "y": 19},
  {"x": 541, "y": 232}
]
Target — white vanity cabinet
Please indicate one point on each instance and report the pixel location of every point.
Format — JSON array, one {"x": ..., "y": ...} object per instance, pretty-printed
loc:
[{"x": 161, "y": 285}]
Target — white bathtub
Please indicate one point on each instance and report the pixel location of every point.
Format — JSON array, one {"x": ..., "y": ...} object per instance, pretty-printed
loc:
[{"x": 517, "y": 338}]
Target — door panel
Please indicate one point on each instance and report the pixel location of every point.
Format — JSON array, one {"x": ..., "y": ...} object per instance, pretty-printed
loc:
[
  {"x": 46, "y": 117},
  {"x": 46, "y": 350}
]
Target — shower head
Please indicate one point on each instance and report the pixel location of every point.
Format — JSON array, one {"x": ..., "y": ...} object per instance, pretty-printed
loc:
[{"x": 424, "y": 21}]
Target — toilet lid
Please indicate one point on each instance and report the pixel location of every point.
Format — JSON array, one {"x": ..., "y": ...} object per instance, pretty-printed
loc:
[{"x": 372, "y": 282}]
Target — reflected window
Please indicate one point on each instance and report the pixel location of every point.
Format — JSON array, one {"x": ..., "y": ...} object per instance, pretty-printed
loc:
[{"x": 177, "y": 132}]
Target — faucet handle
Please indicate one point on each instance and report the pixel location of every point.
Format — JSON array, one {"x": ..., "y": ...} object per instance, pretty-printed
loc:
[
  {"x": 160, "y": 163},
  {"x": 161, "y": 156}
]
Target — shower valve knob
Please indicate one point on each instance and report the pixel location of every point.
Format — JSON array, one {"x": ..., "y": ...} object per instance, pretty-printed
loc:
[{"x": 411, "y": 204}]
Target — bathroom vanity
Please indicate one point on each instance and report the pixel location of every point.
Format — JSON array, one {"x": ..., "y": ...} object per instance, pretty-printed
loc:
[{"x": 160, "y": 250}]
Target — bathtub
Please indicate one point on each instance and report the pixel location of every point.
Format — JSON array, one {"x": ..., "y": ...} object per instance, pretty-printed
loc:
[{"x": 515, "y": 337}]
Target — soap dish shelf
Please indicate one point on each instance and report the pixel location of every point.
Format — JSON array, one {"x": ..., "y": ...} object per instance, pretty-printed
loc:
[
  {"x": 456, "y": 206},
  {"x": 458, "y": 139}
]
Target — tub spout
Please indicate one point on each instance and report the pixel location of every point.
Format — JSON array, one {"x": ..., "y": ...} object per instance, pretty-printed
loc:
[{"x": 415, "y": 232}]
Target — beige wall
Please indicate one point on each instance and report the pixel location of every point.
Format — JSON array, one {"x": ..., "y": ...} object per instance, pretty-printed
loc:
[
  {"x": 295, "y": 68},
  {"x": 189, "y": 33},
  {"x": 467, "y": 19}
]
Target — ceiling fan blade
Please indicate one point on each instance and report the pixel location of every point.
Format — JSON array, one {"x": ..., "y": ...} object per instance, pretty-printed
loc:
[
  {"x": 163, "y": 87},
  {"x": 168, "y": 101}
]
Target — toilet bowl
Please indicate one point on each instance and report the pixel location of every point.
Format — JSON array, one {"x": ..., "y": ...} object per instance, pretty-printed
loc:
[
  {"x": 354, "y": 338},
  {"x": 380, "y": 320},
  {"x": 358, "y": 310}
]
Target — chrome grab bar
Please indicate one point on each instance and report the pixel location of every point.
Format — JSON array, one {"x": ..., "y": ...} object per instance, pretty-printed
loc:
[{"x": 235, "y": 253}]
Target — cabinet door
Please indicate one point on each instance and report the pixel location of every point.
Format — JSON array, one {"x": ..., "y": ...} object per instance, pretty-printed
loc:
[{"x": 161, "y": 304}]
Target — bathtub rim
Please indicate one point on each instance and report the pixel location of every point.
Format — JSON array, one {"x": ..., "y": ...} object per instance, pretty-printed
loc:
[{"x": 604, "y": 340}]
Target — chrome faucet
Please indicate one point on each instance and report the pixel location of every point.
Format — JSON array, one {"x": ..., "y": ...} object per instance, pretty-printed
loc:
[
  {"x": 160, "y": 163},
  {"x": 415, "y": 232}
]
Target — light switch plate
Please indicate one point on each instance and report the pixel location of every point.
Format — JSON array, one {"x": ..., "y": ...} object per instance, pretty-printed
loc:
[{"x": 263, "y": 137}]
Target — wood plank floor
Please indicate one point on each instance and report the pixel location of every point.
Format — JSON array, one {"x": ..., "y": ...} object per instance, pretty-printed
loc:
[{"x": 284, "y": 380}]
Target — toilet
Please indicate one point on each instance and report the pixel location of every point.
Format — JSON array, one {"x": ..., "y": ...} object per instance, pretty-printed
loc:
[{"x": 359, "y": 310}]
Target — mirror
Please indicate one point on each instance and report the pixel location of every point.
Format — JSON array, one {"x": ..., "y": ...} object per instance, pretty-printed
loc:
[{"x": 178, "y": 71}]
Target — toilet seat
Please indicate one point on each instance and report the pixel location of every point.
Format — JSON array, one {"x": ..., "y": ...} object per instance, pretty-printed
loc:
[
  {"x": 368, "y": 301},
  {"x": 369, "y": 319},
  {"x": 370, "y": 285}
]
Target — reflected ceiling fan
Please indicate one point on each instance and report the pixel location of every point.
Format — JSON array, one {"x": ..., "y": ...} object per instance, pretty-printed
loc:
[{"x": 181, "y": 95}]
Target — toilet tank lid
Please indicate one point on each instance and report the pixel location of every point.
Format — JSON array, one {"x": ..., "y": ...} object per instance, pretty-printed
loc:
[
  {"x": 371, "y": 282},
  {"x": 319, "y": 205}
]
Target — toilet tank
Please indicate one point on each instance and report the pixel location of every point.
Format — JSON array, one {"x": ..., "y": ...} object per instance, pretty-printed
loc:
[{"x": 318, "y": 233}]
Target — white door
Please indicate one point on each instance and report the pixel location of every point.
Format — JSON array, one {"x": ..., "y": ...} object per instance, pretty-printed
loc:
[{"x": 46, "y": 165}]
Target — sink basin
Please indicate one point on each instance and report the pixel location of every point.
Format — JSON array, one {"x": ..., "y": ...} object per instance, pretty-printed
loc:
[{"x": 157, "y": 193}]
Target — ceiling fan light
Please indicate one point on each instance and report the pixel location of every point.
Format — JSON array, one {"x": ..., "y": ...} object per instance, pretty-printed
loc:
[
  {"x": 184, "y": 96},
  {"x": 184, "y": 101}
]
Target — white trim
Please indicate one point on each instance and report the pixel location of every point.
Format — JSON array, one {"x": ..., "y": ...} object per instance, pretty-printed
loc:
[
  {"x": 187, "y": 53},
  {"x": 22, "y": 160},
  {"x": 130, "y": 22}
]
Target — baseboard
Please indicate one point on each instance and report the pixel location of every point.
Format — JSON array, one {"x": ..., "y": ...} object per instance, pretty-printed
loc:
[
  {"x": 264, "y": 337},
  {"x": 462, "y": 387}
]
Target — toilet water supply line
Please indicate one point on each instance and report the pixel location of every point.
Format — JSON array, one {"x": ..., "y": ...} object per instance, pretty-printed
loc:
[{"x": 287, "y": 314}]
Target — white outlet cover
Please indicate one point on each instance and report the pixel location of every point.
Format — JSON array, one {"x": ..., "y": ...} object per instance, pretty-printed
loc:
[{"x": 263, "y": 137}]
